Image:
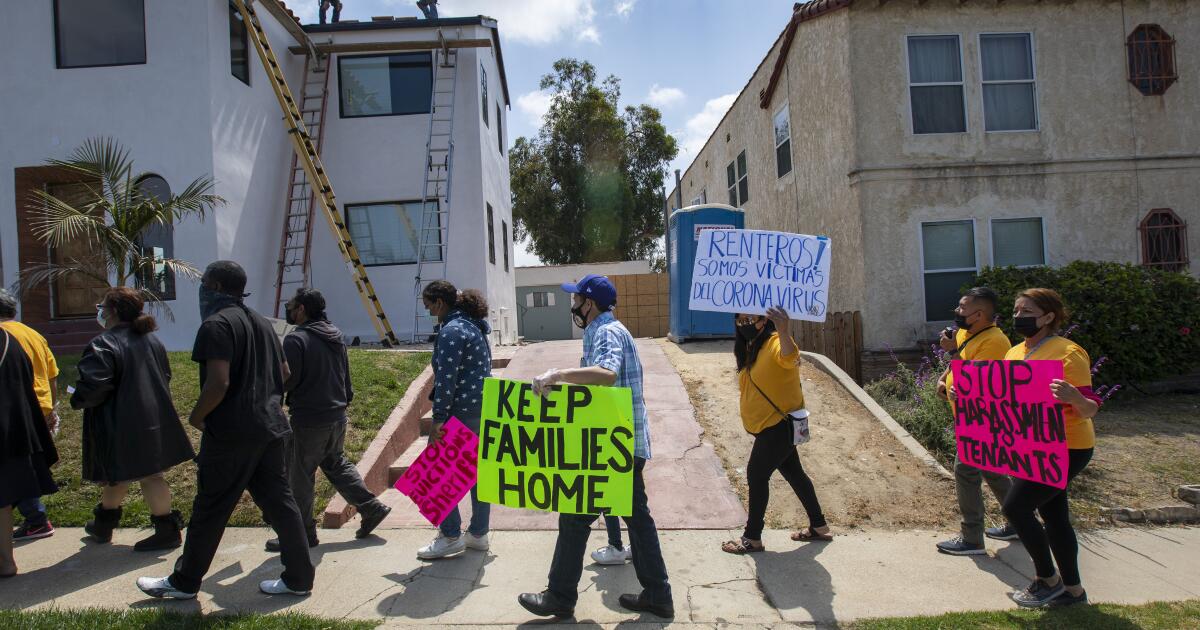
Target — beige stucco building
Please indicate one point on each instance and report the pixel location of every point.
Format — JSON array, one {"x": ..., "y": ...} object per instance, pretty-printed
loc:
[{"x": 929, "y": 139}]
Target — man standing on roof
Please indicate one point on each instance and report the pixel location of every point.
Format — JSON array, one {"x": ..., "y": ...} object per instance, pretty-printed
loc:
[
  {"x": 610, "y": 358},
  {"x": 337, "y": 10}
]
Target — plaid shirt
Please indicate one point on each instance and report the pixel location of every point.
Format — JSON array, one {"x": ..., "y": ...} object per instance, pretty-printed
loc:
[{"x": 608, "y": 344}]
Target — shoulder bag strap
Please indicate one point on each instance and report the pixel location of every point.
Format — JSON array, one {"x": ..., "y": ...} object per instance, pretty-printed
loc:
[{"x": 764, "y": 394}]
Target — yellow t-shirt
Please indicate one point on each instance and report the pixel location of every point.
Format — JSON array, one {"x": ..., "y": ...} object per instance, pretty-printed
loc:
[
  {"x": 778, "y": 376},
  {"x": 989, "y": 345},
  {"x": 44, "y": 366},
  {"x": 1077, "y": 370}
]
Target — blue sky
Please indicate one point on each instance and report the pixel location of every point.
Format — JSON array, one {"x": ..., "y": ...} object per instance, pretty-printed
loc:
[{"x": 689, "y": 59}]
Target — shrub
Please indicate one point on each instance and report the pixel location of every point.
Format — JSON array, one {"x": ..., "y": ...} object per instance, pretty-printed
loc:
[
  {"x": 1144, "y": 320},
  {"x": 910, "y": 396}
]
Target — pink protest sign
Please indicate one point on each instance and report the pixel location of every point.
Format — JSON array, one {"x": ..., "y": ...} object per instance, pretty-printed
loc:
[
  {"x": 443, "y": 473},
  {"x": 1007, "y": 421}
]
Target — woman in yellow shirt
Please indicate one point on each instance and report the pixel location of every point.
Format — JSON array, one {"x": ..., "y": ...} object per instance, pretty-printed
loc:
[
  {"x": 771, "y": 396},
  {"x": 1038, "y": 315}
]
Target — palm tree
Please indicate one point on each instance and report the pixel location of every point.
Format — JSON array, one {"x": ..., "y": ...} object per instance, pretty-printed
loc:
[{"x": 113, "y": 213}]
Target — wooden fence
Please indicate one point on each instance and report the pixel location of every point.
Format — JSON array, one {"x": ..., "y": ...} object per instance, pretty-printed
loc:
[
  {"x": 643, "y": 303},
  {"x": 839, "y": 337}
]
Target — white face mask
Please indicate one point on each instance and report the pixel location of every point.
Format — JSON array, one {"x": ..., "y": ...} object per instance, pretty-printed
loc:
[{"x": 100, "y": 317}]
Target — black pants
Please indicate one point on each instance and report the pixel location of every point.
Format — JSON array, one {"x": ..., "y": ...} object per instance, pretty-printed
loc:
[
  {"x": 573, "y": 532},
  {"x": 1057, "y": 537},
  {"x": 773, "y": 450},
  {"x": 321, "y": 447},
  {"x": 225, "y": 469}
]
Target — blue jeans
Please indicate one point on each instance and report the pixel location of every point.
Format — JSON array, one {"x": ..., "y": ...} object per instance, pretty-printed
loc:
[
  {"x": 613, "y": 525},
  {"x": 573, "y": 529},
  {"x": 480, "y": 512},
  {"x": 34, "y": 511}
]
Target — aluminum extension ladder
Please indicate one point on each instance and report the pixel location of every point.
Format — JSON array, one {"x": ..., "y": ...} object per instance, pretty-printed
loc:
[
  {"x": 433, "y": 237},
  {"x": 307, "y": 154}
]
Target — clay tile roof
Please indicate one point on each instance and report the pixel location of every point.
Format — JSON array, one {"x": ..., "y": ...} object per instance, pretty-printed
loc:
[
  {"x": 289, "y": 10},
  {"x": 801, "y": 12}
]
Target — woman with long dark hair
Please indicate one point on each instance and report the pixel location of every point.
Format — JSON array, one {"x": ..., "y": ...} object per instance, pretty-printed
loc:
[
  {"x": 131, "y": 431},
  {"x": 1038, "y": 315},
  {"x": 461, "y": 360},
  {"x": 772, "y": 406}
]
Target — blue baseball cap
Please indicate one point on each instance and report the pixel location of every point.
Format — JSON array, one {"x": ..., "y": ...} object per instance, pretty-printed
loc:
[{"x": 594, "y": 287}]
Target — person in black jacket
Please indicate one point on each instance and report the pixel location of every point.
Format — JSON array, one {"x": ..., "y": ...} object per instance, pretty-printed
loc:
[
  {"x": 26, "y": 447},
  {"x": 318, "y": 393},
  {"x": 131, "y": 431},
  {"x": 244, "y": 443}
]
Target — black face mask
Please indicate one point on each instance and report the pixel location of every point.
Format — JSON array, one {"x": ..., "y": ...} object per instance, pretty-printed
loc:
[
  {"x": 578, "y": 316},
  {"x": 1026, "y": 326},
  {"x": 748, "y": 331},
  {"x": 287, "y": 317}
]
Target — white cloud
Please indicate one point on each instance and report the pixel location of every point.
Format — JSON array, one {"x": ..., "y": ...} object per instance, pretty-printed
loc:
[
  {"x": 624, "y": 7},
  {"x": 698, "y": 128},
  {"x": 534, "y": 105},
  {"x": 665, "y": 96},
  {"x": 537, "y": 22}
]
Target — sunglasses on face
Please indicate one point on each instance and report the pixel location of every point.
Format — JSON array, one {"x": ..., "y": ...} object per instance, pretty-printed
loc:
[{"x": 746, "y": 321}]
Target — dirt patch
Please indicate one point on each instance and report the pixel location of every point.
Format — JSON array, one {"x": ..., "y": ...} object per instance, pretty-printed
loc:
[
  {"x": 1146, "y": 447},
  {"x": 864, "y": 477}
]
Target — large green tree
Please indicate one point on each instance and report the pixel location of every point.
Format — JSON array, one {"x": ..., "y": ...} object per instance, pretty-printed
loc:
[{"x": 588, "y": 188}]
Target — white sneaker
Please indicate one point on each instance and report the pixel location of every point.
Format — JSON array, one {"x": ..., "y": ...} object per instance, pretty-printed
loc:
[
  {"x": 611, "y": 555},
  {"x": 478, "y": 543},
  {"x": 441, "y": 547},
  {"x": 161, "y": 587},
  {"x": 277, "y": 587}
]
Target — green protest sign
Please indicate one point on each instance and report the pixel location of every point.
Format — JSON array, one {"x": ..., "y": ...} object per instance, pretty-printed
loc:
[{"x": 569, "y": 452}]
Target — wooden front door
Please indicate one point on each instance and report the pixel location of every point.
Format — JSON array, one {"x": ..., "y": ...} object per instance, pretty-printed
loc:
[{"x": 77, "y": 294}]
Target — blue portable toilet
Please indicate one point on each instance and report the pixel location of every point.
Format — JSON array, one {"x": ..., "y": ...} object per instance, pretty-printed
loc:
[{"x": 685, "y": 227}]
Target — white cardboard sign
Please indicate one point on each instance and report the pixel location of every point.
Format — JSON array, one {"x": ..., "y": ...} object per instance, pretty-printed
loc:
[{"x": 749, "y": 271}]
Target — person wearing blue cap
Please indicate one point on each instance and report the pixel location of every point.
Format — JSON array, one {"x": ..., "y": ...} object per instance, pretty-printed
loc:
[{"x": 610, "y": 358}]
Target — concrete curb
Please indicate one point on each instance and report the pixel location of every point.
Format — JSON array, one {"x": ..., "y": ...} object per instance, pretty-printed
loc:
[
  {"x": 829, "y": 367},
  {"x": 402, "y": 428}
]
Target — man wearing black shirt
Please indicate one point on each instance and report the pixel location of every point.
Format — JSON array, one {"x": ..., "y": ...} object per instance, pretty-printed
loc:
[{"x": 242, "y": 371}]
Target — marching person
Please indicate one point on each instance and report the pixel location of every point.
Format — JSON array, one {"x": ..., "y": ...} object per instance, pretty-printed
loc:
[
  {"x": 1038, "y": 315},
  {"x": 27, "y": 449},
  {"x": 45, "y": 384},
  {"x": 337, "y": 10},
  {"x": 610, "y": 358},
  {"x": 244, "y": 443},
  {"x": 318, "y": 393},
  {"x": 131, "y": 431},
  {"x": 461, "y": 360},
  {"x": 772, "y": 401},
  {"x": 978, "y": 339}
]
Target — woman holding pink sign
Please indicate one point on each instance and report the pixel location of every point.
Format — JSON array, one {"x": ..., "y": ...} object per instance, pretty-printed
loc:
[
  {"x": 1038, "y": 315},
  {"x": 461, "y": 360}
]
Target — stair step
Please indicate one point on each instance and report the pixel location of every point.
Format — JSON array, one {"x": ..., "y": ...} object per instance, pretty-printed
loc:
[{"x": 405, "y": 460}]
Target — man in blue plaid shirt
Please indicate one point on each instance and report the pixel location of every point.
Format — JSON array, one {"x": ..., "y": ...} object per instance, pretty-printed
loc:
[{"x": 609, "y": 358}]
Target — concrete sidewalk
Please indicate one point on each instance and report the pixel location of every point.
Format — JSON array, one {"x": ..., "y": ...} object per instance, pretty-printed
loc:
[{"x": 859, "y": 575}]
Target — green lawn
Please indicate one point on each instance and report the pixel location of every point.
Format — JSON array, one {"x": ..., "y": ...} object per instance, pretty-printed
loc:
[
  {"x": 97, "y": 619},
  {"x": 380, "y": 379},
  {"x": 1156, "y": 616}
]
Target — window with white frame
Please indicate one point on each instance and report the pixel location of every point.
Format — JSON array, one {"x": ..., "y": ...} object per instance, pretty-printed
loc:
[
  {"x": 948, "y": 255},
  {"x": 739, "y": 185},
  {"x": 1009, "y": 88},
  {"x": 783, "y": 143},
  {"x": 539, "y": 299},
  {"x": 387, "y": 233},
  {"x": 935, "y": 84},
  {"x": 1018, "y": 242},
  {"x": 701, "y": 198}
]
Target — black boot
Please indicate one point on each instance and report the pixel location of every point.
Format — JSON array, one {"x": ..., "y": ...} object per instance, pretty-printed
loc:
[
  {"x": 166, "y": 534},
  {"x": 101, "y": 528}
]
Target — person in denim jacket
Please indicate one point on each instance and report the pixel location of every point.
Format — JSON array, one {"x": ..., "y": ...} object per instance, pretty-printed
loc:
[{"x": 461, "y": 360}]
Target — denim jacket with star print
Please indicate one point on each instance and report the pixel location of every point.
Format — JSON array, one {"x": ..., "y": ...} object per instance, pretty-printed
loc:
[{"x": 461, "y": 360}]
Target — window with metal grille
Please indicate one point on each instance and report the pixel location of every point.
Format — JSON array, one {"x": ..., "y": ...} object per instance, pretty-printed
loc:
[
  {"x": 1151, "y": 53},
  {"x": 1164, "y": 240}
]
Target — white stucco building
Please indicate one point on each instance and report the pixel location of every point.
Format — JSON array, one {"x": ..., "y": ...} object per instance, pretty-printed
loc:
[{"x": 178, "y": 85}]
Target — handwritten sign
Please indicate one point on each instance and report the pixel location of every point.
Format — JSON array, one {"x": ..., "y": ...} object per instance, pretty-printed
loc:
[
  {"x": 443, "y": 473},
  {"x": 749, "y": 271},
  {"x": 569, "y": 452},
  {"x": 1007, "y": 421}
]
